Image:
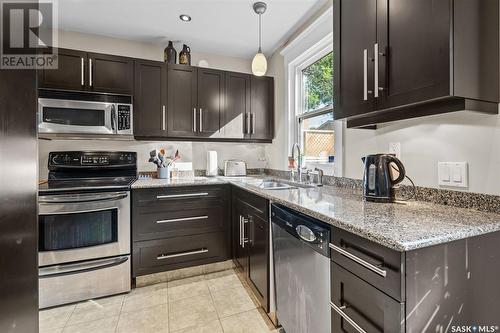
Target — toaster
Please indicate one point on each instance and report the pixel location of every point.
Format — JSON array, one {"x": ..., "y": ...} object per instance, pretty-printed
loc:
[{"x": 234, "y": 168}]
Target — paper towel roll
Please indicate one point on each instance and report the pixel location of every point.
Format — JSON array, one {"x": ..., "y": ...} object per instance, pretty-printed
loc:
[{"x": 212, "y": 167}]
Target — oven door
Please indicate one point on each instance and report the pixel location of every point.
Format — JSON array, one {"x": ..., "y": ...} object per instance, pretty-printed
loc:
[
  {"x": 57, "y": 116},
  {"x": 75, "y": 227}
]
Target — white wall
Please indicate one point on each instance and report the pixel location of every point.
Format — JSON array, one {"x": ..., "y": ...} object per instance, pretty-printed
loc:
[
  {"x": 194, "y": 152},
  {"x": 460, "y": 136}
]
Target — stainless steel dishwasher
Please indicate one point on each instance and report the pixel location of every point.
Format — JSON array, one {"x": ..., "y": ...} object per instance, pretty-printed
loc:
[{"x": 301, "y": 271}]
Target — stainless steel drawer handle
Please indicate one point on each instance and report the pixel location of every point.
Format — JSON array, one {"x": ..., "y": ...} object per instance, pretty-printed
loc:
[
  {"x": 360, "y": 261},
  {"x": 83, "y": 72},
  {"x": 347, "y": 318},
  {"x": 186, "y": 195},
  {"x": 182, "y": 254},
  {"x": 193, "y": 218}
]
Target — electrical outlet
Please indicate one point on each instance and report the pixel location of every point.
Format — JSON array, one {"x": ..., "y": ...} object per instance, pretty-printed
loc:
[{"x": 395, "y": 148}]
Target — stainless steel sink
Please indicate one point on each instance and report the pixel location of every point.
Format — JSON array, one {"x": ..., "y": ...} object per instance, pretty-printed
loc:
[{"x": 275, "y": 185}]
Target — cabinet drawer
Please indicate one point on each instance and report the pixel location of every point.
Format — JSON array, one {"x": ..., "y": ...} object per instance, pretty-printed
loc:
[
  {"x": 178, "y": 198},
  {"x": 173, "y": 253},
  {"x": 156, "y": 225},
  {"x": 374, "y": 263},
  {"x": 357, "y": 305},
  {"x": 258, "y": 205}
]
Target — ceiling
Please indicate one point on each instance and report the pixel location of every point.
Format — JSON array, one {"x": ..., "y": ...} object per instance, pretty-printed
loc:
[{"x": 228, "y": 27}]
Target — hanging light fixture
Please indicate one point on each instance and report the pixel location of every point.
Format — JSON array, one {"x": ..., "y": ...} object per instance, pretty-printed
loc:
[{"x": 259, "y": 62}]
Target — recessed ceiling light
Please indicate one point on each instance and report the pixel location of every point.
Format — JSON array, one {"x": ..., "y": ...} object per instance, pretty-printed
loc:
[{"x": 185, "y": 17}]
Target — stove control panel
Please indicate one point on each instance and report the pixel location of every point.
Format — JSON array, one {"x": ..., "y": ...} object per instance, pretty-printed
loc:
[{"x": 75, "y": 159}]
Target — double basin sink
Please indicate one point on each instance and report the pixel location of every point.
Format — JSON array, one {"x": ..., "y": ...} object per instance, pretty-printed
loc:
[{"x": 271, "y": 184}]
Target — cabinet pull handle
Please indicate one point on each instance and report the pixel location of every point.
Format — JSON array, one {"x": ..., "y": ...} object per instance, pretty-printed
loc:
[
  {"x": 248, "y": 123},
  {"x": 376, "y": 88},
  {"x": 244, "y": 240},
  {"x": 163, "y": 126},
  {"x": 90, "y": 72},
  {"x": 194, "y": 120},
  {"x": 193, "y": 218},
  {"x": 253, "y": 122},
  {"x": 201, "y": 120},
  {"x": 360, "y": 261},
  {"x": 182, "y": 254},
  {"x": 240, "y": 228},
  {"x": 347, "y": 318},
  {"x": 186, "y": 195},
  {"x": 83, "y": 71},
  {"x": 365, "y": 74}
]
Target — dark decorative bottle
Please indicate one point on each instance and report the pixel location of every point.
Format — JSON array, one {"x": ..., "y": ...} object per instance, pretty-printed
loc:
[
  {"x": 185, "y": 55},
  {"x": 170, "y": 54}
]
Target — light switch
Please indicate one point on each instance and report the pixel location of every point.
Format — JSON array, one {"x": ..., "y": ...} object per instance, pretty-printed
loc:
[{"x": 453, "y": 174}]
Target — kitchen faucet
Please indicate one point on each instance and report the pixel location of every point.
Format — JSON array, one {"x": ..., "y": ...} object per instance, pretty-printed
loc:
[{"x": 299, "y": 161}]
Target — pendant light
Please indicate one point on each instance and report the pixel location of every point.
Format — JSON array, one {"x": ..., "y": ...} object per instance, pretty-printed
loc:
[{"x": 259, "y": 62}]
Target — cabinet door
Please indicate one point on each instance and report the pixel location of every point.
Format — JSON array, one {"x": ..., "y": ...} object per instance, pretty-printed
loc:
[
  {"x": 108, "y": 73},
  {"x": 237, "y": 105},
  {"x": 150, "y": 99},
  {"x": 258, "y": 257},
  {"x": 71, "y": 73},
  {"x": 182, "y": 101},
  {"x": 414, "y": 51},
  {"x": 240, "y": 246},
  {"x": 355, "y": 302},
  {"x": 210, "y": 101},
  {"x": 355, "y": 25},
  {"x": 262, "y": 108}
]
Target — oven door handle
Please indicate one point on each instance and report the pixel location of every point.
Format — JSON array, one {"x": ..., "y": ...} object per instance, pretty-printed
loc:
[
  {"x": 72, "y": 198},
  {"x": 74, "y": 268}
]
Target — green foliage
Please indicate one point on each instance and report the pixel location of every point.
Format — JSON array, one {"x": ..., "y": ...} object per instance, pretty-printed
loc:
[{"x": 318, "y": 83}]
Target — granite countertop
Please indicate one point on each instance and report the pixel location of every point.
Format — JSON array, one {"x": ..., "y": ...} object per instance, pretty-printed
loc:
[{"x": 401, "y": 226}]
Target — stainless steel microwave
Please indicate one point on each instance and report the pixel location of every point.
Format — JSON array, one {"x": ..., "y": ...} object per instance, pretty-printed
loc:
[{"x": 83, "y": 118}]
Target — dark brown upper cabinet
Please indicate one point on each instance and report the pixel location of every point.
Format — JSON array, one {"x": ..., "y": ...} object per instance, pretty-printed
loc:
[
  {"x": 109, "y": 73},
  {"x": 261, "y": 116},
  {"x": 93, "y": 72},
  {"x": 400, "y": 59},
  {"x": 150, "y": 99},
  {"x": 234, "y": 125},
  {"x": 182, "y": 102},
  {"x": 210, "y": 102}
]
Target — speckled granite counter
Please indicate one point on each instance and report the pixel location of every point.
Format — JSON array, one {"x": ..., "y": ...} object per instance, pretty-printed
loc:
[{"x": 400, "y": 226}]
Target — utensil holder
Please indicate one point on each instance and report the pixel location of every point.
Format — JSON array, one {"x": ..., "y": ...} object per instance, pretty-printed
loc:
[{"x": 163, "y": 173}]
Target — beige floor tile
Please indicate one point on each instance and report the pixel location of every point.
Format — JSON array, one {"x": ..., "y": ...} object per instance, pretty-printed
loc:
[
  {"x": 189, "y": 287},
  {"x": 231, "y": 301},
  {"x": 106, "y": 325},
  {"x": 222, "y": 280},
  {"x": 211, "y": 327},
  {"x": 55, "y": 317},
  {"x": 145, "y": 297},
  {"x": 246, "y": 322},
  {"x": 191, "y": 312},
  {"x": 51, "y": 330},
  {"x": 96, "y": 309},
  {"x": 148, "y": 320}
]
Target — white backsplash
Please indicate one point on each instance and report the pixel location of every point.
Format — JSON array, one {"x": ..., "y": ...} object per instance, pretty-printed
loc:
[{"x": 195, "y": 152}]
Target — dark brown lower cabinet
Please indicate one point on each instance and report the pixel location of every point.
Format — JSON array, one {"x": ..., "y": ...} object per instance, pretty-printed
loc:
[
  {"x": 251, "y": 241},
  {"x": 179, "y": 227},
  {"x": 356, "y": 302}
]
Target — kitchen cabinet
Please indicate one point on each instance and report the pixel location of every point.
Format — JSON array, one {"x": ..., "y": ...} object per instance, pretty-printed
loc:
[
  {"x": 91, "y": 72},
  {"x": 237, "y": 105},
  {"x": 251, "y": 241},
  {"x": 210, "y": 101},
  {"x": 401, "y": 59},
  {"x": 150, "y": 99},
  {"x": 179, "y": 227},
  {"x": 261, "y": 108}
]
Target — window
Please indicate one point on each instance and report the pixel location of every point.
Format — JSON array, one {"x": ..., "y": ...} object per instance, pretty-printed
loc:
[{"x": 315, "y": 112}]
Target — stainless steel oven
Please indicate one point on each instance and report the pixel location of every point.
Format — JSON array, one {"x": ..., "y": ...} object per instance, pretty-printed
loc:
[
  {"x": 83, "y": 117},
  {"x": 83, "y": 226}
]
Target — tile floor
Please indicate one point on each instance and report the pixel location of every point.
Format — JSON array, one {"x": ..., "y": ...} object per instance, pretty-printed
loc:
[{"x": 211, "y": 303}]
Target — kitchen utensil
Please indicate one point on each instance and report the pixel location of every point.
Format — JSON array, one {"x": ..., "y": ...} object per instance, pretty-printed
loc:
[
  {"x": 378, "y": 184},
  {"x": 234, "y": 168}
]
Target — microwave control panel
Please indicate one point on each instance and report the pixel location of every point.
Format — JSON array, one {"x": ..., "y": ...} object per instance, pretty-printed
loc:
[{"x": 124, "y": 116}]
